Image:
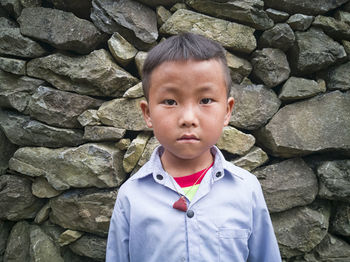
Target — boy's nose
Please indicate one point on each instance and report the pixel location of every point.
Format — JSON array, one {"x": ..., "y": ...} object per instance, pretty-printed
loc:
[{"x": 188, "y": 117}]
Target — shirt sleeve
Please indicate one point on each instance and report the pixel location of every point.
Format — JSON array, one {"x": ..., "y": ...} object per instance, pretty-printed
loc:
[
  {"x": 262, "y": 243},
  {"x": 118, "y": 236}
]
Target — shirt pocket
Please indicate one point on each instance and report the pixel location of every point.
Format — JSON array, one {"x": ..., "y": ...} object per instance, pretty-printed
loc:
[{"x": 233, "y": 244}]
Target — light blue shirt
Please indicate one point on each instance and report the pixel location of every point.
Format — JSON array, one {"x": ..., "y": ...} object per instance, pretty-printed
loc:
[{"x": 230, "y": 219}]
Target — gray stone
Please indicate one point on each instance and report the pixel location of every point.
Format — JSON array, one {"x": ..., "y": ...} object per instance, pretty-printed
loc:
[
  {"x": 59, "y": 108},
  {"x": 42, "y": 189},
  {"x": 332, "y": 27},
  {"x": 147, "y": 152},
  {"x": 178, "y": 6},
  {"x": 15, "y": 91},
  {"x": 140, "y": 60},
  {"x": 254, "y": 106},
  {"x": 103, "y": 133},
  {"x": 69, "y": 236},
  {"x": 135, "y": 150},
  {"x": 338, "y": 77},
  {"x": 123, "y": 144},
  {"x": 340, "y": 223},
  {"x": 46, "y": 24},
  {"x": 16, "y": 199},
  {"x": 23, "y": 131},
  {"x": 239, "y": 67},
  {"x": 304, "y": 7},
  {"x": 253, "y": 159},
  {"x": 7, "y": 23},
  {"x": 134, "y": 21},
  {"x": 343, "y": 16},
  {"x": 5, "y": 228},
  {"x": 246, "y": 12},
  {"x": 14, "y": 66},
  {"x": 296, "y": 88},
  {"x": 309, "y": 126},
  {"x": 155, "y": 3},
  {"x": 163, "y": 14},
  {"x": 213, "y": 28},
  {"x": 280, "y": 36},
  {"x": 270, "y": 66},
  {"x": 300, "y": 229},
  {"x": 86, "y": 210},
  {"x": 122, "y": 113},
  {"x": 346, "y": 45},
  {"x": 7, "y": 149},
  {"x": 95, "y": 74},
  {"x": 300, "y": 22},
  {"x": 43, "y": 214},
  {"x": 314, "y": 50},
  {"x": 234, "y": 141},
  {"x": 18, "y": 243},
  {"x": 89, "y": 118},
  {"x": 42, "y": 247},
  {"x": 122, "y": 51},
  {"x": 13, "y": 7},
  {"x": 134, "y": 92},
  {"x": 90, "y": 246},
  {"x": 287, "y": 184},
  {"x": 80, "y": 8},
  {"x": 334, "y": 179},
  {"x": 15, "y": 44},
  {"x": 276, "y": 15},
  {"x": 97, "y": 165}
]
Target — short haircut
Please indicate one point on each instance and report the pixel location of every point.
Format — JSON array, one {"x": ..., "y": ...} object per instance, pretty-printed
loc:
[{"x": 182, "y": 47}]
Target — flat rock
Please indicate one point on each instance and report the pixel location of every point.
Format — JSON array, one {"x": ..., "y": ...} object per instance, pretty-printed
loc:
[
  {"x": 163, "y": 14},
  {"x": 45, "y": 24},
  {"x": 147, "y": 152},
  {"x": 239, "y": 67},
  {"x": 270, "y": 66},
  {"x": 23, "y": 131},
  {"x": 18, "y": 243},
  {"x": 300, "y": 229},
  {"x": 155, "y": 3},
  {"x": 254, "y": 106},
  {"x": 85, "y": 210},
  {"x": 121, "y": 50},
  {"x": 103, "y": 133},
  {"x": 7, "y": 22},
  {"x": 134, "y": 92},
  {"x": 42, "y": 189},
  {"x": 213, "y": 28},
  {"x": 7, "y": 149},
  {"x": 16, "y": 199},
  {"x": 89, "y": 165},
  {"x": 59, "y": 108},
  {"x": 276, "y": 15},
  {"x": 5, "y": 228},
  {"x": 343, "y": 16},
  {"x": 303, "y": 7},
  {"x": 80, "y": 8},
  {"x": 324, "y": 52},
  {"x": 333, "y": 27},
  {"x": 135, "y": 150},
  {"x": 246, "y": 12},
  {"x": 123, "y": 144},
  {"x": 287, "y": 184},
  {"x": 13, "y": 43},
  {"x": 253, "y": 159},
  {"x": 14, "y": 66},
  {"x": 13, "y": 7},
  {"x": 43, "y": 214},
  {"x": 140, "y": 60},
  {"x": 234, "y": 141},
  {"x": 280, "y": 36},
  {"x": 340, "y": 223},
  {"x": 15, "y": 91},
  {"x": 89, "y": 118},
  {"x": 346, "y": 45},
  {"x": 334, "y": 179},
  {"x": 133, "y": 20},
  {"x": 69, "y": 236},
  {"x": 90, "y": 246},
  {"x": 95, "y": 74},
  {"x": 309, "y": 126},
  {"x": 296, "y": 88},
  {"x": 300, "y": 22},
  {"x": 338, "y": 77},
  {"x": 123, "y": 113}
]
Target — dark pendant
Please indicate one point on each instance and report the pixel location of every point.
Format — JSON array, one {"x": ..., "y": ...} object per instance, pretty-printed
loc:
[{"x": 181, "y": 204}]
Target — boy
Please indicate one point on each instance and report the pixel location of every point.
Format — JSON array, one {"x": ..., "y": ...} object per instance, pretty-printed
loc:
[{"x": 163, "y": 213}]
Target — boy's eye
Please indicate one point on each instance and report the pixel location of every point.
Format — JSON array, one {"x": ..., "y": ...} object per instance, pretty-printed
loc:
[
  {"x": 206, "y": 101},
  {"x": 170, "y": 102}
]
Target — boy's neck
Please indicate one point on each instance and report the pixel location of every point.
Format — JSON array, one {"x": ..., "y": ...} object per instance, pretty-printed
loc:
[{"x": 178, "y": 167}]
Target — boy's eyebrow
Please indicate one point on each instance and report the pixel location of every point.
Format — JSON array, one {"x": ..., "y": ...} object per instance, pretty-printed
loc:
[{"x": 173, "y": 89}]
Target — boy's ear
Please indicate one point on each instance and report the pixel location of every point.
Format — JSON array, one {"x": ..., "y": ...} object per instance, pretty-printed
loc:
[
  {"x": 230, "y": 104},
  {"x": 145, "y": 112}
]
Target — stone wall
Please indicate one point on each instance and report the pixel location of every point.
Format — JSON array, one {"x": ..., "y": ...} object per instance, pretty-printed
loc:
[{"x": 71, "y": 132}]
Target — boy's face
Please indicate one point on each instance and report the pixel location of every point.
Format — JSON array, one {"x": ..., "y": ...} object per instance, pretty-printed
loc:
[{"x": 188, "y": 107}]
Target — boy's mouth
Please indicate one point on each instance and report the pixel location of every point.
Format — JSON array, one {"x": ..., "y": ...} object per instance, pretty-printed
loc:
[{"x": 188, "y": 138}]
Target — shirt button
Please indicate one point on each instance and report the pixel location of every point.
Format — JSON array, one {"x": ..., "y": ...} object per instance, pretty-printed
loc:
[
  {"x": 190, "y": 213},
  {"x": 159, "y": 177},
  {"x": 218, "y": 174}
]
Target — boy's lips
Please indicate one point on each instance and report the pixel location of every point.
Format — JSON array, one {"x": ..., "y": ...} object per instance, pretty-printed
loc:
[{"x": 189, "y": 137}]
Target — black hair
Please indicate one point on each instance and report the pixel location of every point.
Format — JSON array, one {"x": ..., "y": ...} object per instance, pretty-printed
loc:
[{"x": 184, "y": 46}]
